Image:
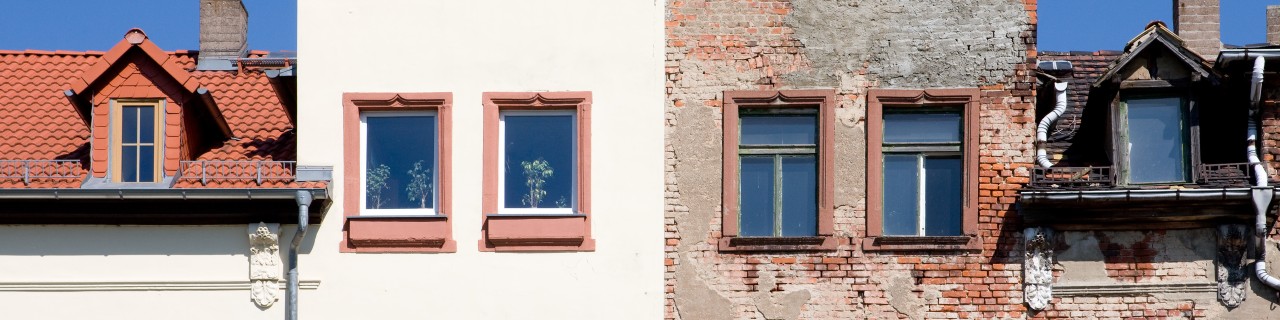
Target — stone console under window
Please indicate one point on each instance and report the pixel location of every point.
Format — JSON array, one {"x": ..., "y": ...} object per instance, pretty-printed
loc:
[
  {"x": 397, "y": 155},
  {"x": 778, "y": 185},
  {"x": 922, "y": 169}
]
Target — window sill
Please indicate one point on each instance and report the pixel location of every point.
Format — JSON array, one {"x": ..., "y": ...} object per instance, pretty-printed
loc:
[
  {"x": 921, "y": 243},
  {"x": 536, "y": 232},
  {"x": 390, "y": 234},
  {"x": 818, "y": 243}
]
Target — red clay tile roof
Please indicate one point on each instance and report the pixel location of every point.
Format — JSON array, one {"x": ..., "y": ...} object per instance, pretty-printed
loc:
[{"x": 39, "y": 122}]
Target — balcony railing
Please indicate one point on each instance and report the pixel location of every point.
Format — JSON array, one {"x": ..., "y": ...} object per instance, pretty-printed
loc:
[
  {"x": 242, "y": 170},
  {"x": 1225, "y": 175},
  {"x": 39, "y": 169},
  {"x": 1073, "y": 177}
]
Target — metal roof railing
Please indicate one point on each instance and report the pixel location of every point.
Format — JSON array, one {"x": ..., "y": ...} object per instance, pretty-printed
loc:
[
  {"x": 39, "y": 169},
  {"x": 251, "y": 170},
  {"x": 1073, "y": 177}
]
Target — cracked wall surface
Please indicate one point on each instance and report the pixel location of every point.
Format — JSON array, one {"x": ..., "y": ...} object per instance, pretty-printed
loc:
[{"x": 849, "y": 46}]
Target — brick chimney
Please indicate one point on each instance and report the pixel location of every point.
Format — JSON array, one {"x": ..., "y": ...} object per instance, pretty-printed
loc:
[
  {"x": 1273, "y": 25},
  {"x": 1197, "y": 22},
  {"x": 224, "y": 26}
]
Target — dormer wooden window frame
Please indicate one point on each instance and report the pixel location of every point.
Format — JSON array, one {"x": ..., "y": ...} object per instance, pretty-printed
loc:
[
  {"x": 1149, "y": 89},
  {"x": 157, "y": 106}
]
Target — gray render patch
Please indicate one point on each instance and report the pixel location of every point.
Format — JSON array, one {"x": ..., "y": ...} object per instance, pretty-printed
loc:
[{"x": 909, "y": 44}]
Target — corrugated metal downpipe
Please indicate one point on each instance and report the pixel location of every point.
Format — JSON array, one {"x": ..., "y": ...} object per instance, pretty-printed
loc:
[
  {"x": 1262, "y": 195},
  {"x": 291, "y": 304},
  {"x": 1042, "y": 131}
]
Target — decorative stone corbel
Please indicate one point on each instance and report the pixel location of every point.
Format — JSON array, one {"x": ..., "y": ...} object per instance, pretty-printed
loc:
[
  {"x": 264, "y": 263},
  {"x": 1233, "y": 241},
  {"x": 1037, "y": 267}
]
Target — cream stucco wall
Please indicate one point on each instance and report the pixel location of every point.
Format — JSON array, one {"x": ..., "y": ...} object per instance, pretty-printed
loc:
[{"x": 612, "y": 48}]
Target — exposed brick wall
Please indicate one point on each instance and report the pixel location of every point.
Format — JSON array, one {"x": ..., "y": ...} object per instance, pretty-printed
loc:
[{"x": 714, "y": 46}]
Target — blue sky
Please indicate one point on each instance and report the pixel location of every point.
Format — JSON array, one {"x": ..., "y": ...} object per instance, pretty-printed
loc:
[
  {"x": 1091, "y": 25},
  {"x": 98, "y": 24}
]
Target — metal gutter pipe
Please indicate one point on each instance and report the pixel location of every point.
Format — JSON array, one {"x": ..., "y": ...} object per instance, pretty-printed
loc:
[
  {"x": 1042, "y": 131},
  {"x": 291, "y": 303},
  {"x": 1262, "y": 196}
]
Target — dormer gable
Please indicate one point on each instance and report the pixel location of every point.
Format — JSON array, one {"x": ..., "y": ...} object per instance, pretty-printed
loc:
[
  {"x": 1157, "y": 54},
  {"x": 145, "y": 112}
]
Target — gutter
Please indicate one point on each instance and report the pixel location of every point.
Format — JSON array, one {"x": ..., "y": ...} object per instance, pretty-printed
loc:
[{"x": 167, "y": 194}]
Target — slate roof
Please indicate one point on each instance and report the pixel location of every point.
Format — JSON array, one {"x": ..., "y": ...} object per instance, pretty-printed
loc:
[
  {"x": 1087, "y": 67},
  {"x": 39, "y": 122}
]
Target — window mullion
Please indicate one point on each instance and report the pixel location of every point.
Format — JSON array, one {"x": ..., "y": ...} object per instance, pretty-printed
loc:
[
  {"x": 777, "y": 195},
  {"x": 921, "y": 196}
]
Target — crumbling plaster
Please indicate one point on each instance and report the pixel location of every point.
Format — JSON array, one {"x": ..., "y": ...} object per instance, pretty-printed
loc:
[{"x": 851, "y": 46}]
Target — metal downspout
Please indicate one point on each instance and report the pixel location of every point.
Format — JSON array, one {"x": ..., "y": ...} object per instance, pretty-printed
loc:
[
  {"x": 291, "y": 304},
  {"x": 1261, "y": 193},
  {"x": 1042, "y": 131}
]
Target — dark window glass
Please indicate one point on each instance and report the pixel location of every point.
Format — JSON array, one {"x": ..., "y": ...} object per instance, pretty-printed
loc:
[
  {"x": 129, "y": 163},
  {"x": 539, "y": 161},
  {"x": 756, "y": 196},
  {"x": 922, "y": 127},
  {"x": 900, "y": 189},
  {"x": 129, "y": 124},
  {"x": 778, "y": 195},
  {"x": 1156, "y": 139},
  {"x": 799, "y": 196},
  {"x": 923, "y": 173},
  {"x": 779, "y": 129},
  {"x": 146, "y": 125},
  {"x": 942, "y": 183},
  {"x": 400, "y": 162},
  {"x": 146, "y": 163}
]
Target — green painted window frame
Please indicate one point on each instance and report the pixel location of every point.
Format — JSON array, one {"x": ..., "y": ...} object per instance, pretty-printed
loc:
[{"x": 1184, "y": 124}]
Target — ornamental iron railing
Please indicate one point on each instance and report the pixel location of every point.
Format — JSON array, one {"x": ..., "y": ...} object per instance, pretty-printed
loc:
[
  {"x": 257, "y": 171},
  {"x": 1073, "y": 177},
  {"x": 39, "y": 169}
]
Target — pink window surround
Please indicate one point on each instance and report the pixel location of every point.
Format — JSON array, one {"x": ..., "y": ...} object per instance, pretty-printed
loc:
[
  {"x": 536, "y": 232},
  {"x": 824, "y": 101},
  {"x": 878, "y": 100},
  {"x": 391, "y": 233}
]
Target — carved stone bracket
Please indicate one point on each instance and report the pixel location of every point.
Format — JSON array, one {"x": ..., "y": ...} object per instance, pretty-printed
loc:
[
  {"x": 1037, "y": 267},
  {"x": 264, "y": 264},
  {"x": 1233, "y": 241}
]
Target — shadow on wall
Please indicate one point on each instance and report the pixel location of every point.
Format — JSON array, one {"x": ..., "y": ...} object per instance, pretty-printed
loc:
[{"x": 137, "y": 240}]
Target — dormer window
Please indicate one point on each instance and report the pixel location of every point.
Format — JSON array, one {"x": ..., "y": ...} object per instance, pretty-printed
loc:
[
  {"x": 1157, "y": 133},
  {"x": 136, "y": 140}
]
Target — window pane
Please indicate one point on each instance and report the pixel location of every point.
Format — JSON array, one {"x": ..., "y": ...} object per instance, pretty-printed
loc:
[
  {"x": 921, "y": 127},
  {"x": 539, "y": 161},
  {"x": 129, "y": 164},
  {"x": 799, "y": 196},
  {"x": 146, "y": 124},
  {"x": 756, "y": 196},
  {"x": 129, "y": 124},
  {"x": 400, "y": 165},
  {"x": 779, "y": 129},
  {"x": 1156, "y": 152},
  {"x": 900, "y": 188},
  {"x": 942, "y": 181},
  {"x": 146, "y": 164}
]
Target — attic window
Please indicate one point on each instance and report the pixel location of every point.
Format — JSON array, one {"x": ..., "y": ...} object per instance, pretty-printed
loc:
[
  {"x": 136, "y": 142},
  {"x": 1157, "y": 134}
]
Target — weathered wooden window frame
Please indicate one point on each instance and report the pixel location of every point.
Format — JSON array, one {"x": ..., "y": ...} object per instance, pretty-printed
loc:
[
  {"x": 777, "y": 151},
  {"x": 1146, "y": 89},
  {"x": 922, "y": 150}
]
